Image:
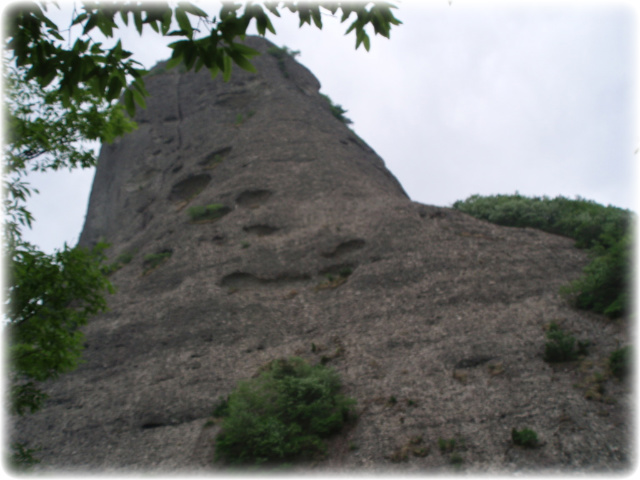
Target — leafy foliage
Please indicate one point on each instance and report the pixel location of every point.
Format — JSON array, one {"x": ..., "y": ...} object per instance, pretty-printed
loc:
[
  {"x": 43, "y": 134},
  {"x": 621, "y": 361},
  {"x": 446, "y": 444},
  {"x": 337, "y": 110},
  {"x": 154, "y": 260},
  {"x": 207, "y": 212},
  {"x": 37, "y": 44},
  {"x": 605, "y": 286},
  {"x": 50, "y": 297},
  {"x": 561, "y": 346},
  {"x": 283, "y": 414},
  {"x": 525, "y": 437},
  {"x": 280, "y": 54},
  {"x": 587, "y": 222},
  {"x": 122, "y": 260},
  {"x": 22, "y": 457},
  {"x": 605, "y": 231}
]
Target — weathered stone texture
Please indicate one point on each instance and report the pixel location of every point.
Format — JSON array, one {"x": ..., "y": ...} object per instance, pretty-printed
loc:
[{"x": 443, "y": 312}]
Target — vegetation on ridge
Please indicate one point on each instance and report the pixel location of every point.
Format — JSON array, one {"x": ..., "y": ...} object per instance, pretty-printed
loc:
[
  {"x": 337, "y": 110},
  {"x": 605, "y": 231},
  {"x": 280, "y": 54}
]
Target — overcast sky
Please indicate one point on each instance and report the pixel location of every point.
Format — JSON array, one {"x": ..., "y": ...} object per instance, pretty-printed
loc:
[{"x": 472, "y": 97}]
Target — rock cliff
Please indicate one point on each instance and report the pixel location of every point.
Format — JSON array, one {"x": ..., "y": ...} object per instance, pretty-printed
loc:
[{"x": 259, "y": 226}]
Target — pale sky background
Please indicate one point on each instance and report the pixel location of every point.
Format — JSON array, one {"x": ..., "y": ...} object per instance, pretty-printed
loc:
[{"x": 473, "y": 97}]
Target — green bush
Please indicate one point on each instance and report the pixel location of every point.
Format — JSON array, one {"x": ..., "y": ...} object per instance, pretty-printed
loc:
[
  {"x": 560, "y": 347},
  {"x": 587, "y": 222},
  {"x": 153, "y": 260},
  {"x": 446, "y": 444},
  {"x": 337, "y": 110},
  {"x": 280, "y": 54},
  {"x": 620, "y": 362},
  {"x": 207, "y": 212},
  {"x": 221, "y": 408},
  {"x": 122, "y": 260},
  {"x": 606, "y": 231},
  {"x": 284, "y": 413},
  {"x": 21, "y": 458},
  {"x": 604, "y": 287},
  {"x": 525, "y": 437}
]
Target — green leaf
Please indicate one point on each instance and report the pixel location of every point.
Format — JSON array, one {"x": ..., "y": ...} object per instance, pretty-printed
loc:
[
  {"x": 226, "y": 72},
  {"x": 305, "y": 15},
  {"x": 54, "y": 33},
  {"x": 242, "y": 61},
  {"x": 92, "y": 22},
  {"x": 48, "y": 78},
  {"x": 317, "y": 18},
  {"x": 167, "y": 16},
  {"x": 114, "y": 88},
  {"x": 352, "y": 26},
  {"x": 261, "y": 25},
  {"x": 139, "y": 99},
  {"x": 174, "y": 61},
  {"x": 214, "y": 71},
  {"x": 245, "y": 50},
  {"x": 79, "y": 19},
  {"x": 106, "y": 25},
  {"x": 137, "y": 19},
  {"x": 124, "y": 15},
  {"x": 183, "y": 22},
  {"x": 129, "y": 103},
  {"x": 272, "y": 7},
  {"x": 192, "y": 9}
]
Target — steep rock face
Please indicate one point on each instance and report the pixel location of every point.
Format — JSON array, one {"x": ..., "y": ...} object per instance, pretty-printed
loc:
[{"x": 437, "y": 332}]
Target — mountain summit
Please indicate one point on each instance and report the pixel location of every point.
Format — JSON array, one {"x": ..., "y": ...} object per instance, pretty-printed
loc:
[{"x": 250, "y": 224}]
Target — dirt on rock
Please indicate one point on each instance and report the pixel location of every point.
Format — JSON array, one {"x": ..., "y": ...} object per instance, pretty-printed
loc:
[{"x": 438, "y": 329}]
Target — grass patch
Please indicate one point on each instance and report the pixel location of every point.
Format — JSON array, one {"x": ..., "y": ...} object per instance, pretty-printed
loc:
[
  {"x": 446, "y": 445},
  {"x": 456, "y": 459},
  {"x": 153, "y": 260},
  {"x": 122, "y": 260},
  {"x": 334, "y": 281},
  {"x": 525, "y": 438},
  {"x": 206, "y": 213},
  {"x": 281, "y": 54},
  {"x": 606, "y": 231},
  {"x": 283, "y": 414},
  {"x": 337, "y": 110}
]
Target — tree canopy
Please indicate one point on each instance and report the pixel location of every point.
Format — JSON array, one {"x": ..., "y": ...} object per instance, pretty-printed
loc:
[{"x": 36, "y": 43}]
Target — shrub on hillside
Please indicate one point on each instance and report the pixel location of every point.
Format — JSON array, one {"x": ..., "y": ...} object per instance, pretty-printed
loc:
[
  {"x": 620, "y": 362},
  {"x": 560, "y": 347},
  {"x": 283, "y": 414},
  {"x": 604, "y": 287},
  {"x": 207, "y": 212},
  {"x": 525, "y": 438}
]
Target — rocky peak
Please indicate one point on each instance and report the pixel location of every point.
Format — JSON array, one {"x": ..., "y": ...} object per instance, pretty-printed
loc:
[{"x": 250, "y": 224}]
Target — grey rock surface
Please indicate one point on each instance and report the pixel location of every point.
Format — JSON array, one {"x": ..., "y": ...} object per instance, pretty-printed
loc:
[{"x": 442, "y": 313}]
